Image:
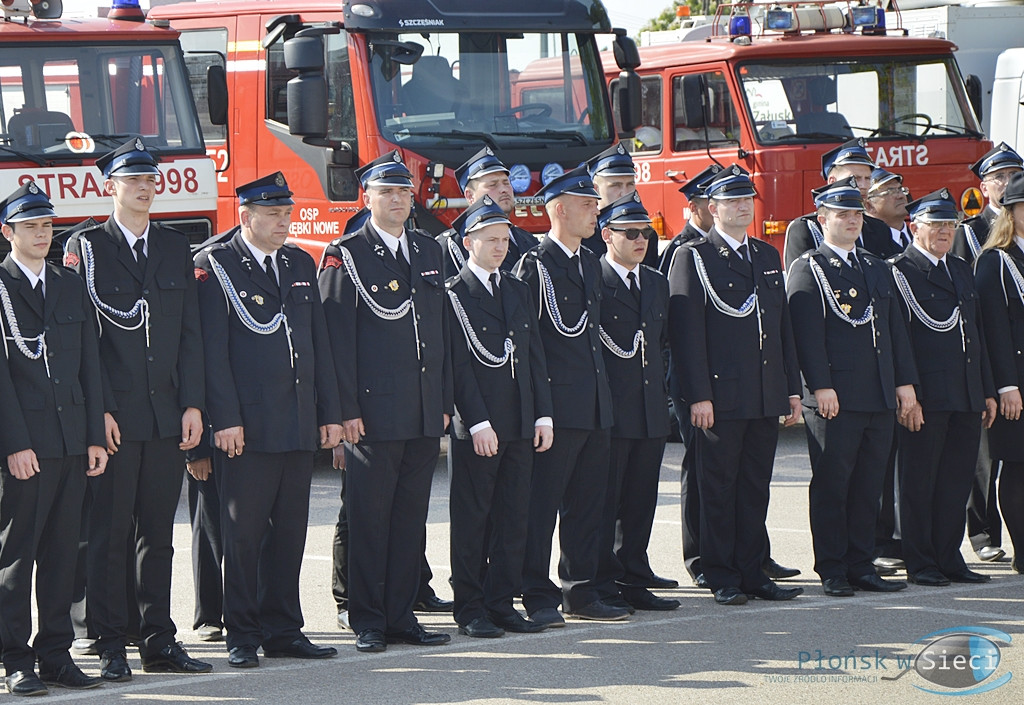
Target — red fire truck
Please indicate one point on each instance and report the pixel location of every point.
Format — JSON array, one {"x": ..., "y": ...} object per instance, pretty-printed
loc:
[
  {"x": 316, "y": 88},
  {"x": 773, "y": 100},
  {"x": 73, "y": 89}
]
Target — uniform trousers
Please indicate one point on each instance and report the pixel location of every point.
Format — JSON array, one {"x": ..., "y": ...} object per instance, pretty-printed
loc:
[
  {"x": 936, "y": 471},
  {"x": 264, "y": 511},
  {"x": 135, "y": 498},
  {"x": 848, "y": 455},
  {"x": 689, "y": 494},
  {"x": 388, "y": 493},
  {"x": 634, "y": 469},
  {"x": 490, "y": 498},
  {"x": 207, "y": 549},
  {"x": 734, "y": 472},
  {"x": 569, "y": 482},
  {"x": 887, "y": 529},
  {"x": 39, "y": 523},
  {"x": 984, "y": 525}
]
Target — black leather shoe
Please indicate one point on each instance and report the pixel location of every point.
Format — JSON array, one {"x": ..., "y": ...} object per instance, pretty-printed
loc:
[
  {"x": 967, "y": 576},
  {"x": 598, "y": 611},
  {"x": 929, "y": 577},
  {"x": 872, "y": 583},
  {"x": 990, "y": 553},
  {"x": 243, "y": 657},
  {"x": 24, "y": 683},
  {"x": 620, "y": 602},
  {"x": 434, "y": 604},
  {"x": 371, "y": 641},
  {"x": 701, "y": 582},
  {"x": 114, "y": 667},
  {"x": 300, "y": 648},
  {"x": 482, "y": 628},
  {"x": 643, "y": 599},
  {"x": 418, "y": 636},
  {"x": 774, "y": 593},
  {"x": 68, "y": 676},
  {"x": 837, "y": 587},
  {"x": 548, "y": 617},
  {"x": 777, "y": 572},
  {"x": 887, "y": 562},
  {"x": 517, "y": 624},
  {"x": 174, "y": 659},
  {"x": 655, "y": 581},
  {"x": 730, "y": 596}
]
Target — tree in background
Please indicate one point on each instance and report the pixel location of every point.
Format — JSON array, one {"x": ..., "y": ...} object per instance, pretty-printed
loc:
[{"x": 668, "y": 18}]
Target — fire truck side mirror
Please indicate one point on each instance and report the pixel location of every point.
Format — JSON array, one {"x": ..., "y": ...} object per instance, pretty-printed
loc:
[
  {"x": 628, "y": 100},
  {"x": 627, "y": 56},
  {"x": 307, "y": 92},
  {"x": 217, "y": 94},
  {"x": 974, "y": 93}
]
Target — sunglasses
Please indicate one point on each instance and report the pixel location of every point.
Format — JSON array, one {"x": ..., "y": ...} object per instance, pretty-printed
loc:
[{"x": 634, "y": 233}]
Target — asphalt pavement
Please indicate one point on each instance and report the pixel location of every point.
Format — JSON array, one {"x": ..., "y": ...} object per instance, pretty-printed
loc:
[{"x": 814, "y": 649}]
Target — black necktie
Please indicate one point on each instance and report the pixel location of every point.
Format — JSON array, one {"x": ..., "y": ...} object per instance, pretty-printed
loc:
[
  {"x": 944, "y": 271},
  {"x": 853, "y": 262},
  {"x": 575, "y": 273},
  {"x": 904, "y": 238},
  {"x": 140, "y": 254},
  {"x": 495, "y": 290},
  {"x": 268, "y": 264},
  {"x": 37, "y": 292},
  {"x": 403, "y": 262},
  {"x": 634, "y": 288},
  {"x": 742, "y": 252}
]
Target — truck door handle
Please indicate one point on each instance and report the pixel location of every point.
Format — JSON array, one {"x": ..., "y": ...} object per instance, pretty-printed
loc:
[{"x": 674, "y": 174}]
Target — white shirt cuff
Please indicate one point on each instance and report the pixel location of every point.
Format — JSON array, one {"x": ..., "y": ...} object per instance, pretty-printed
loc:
[
  {"x": 479, "y": 427},
  {"x": 543, "y": 421},
  {"x": 1004, "y": 390}
]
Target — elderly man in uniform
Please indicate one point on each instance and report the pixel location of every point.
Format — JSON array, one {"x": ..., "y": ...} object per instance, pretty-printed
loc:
[
  {"x": 272, "y": 400},
  {"x": 502, "y": 414},
  {"x": 51, "y": 437},
  {"x": 956, "y": 393},
  {"x": 857, "y": 365},
  {"x": 732, "y": 349},
  {"x": 614, "y": 176},
  {"x": 984, "y": 525},
  {"x": 481, "y": 175},
  {"x": 848, "y": 160},
  {"x": 569, "y": 480},
  {"x": 384, "y": 298},
  {"x": 140, "y": 279},
  {"x": 634, "y": 330}
]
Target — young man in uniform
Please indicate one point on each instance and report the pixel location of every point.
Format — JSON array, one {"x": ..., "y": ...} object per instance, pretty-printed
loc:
[
  {"x": 51, "y": 438},
  {"x": 139, "y": 278}
]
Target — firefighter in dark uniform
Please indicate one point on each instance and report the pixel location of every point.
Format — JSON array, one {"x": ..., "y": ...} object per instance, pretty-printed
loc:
[
  {"x": 984, "y": 525},
  {"x": 481, "y": 175},
  {"x": 614, "y": 176},
  {"x": 633, "y": 330},
  {"x": 732, "y": 348},
  {"x": 384, "y": 298},
  {"x": 956, "y": 393},
  {"x": 569, "y": 480},
  {"x": 999, "y": 278},
  {"x": 857, "y": 365},
  {"x": 139, "y": 277},
  {"x": 502, "y": 414},
  {"x": 259, "y": 304},
  {"x": 700, "y": 221},
  {"x": 848, "y": 160},
  {"x": 51, "y": 437}
]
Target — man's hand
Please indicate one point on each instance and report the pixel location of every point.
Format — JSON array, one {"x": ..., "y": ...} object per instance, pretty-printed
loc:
[
  {"x": 702, "y": 415},
  {"x": 23, "y": 464},
  {"x": 913, "y": 420},
  {"x": 795, "y": 410},
  {"x": 330, "y": 436},
  {"x": 338, "y": 457},
  {"x": 485, "y": 442},
  {"x": 1010, "y": 404},
  {"x": 352, "y": 430},
  {"x": 230, "y": 440},
  {"x": 543, "y": 437},
  {"x": 191, "y": 428},
  {"x": 113, "y": 432},
  {"x": 828, "y": 403},
  {"x": 200, "y": 469},
  {"x": 988, "y": 417},
  {"x": 906, "y": 403},
  {"x": 97, "y": 456}
]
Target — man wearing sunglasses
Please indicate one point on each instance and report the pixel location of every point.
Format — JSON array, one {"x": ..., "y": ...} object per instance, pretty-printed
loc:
[
  {"x": 634, "y": 316},
  {"x": 887, "y": 201}
]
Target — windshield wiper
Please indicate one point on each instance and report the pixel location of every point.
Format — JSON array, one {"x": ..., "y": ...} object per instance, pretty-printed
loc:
[
  {"x": 812, "y": 136},
  {"x": 459, "y": 134},
  {"x": 575, "y": 135},
  {"x": 24, "y": 155},
  {"x": 956, "y": 130}
]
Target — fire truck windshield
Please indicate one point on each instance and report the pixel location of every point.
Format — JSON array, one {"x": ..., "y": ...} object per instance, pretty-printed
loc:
[
  {"x": 829, "y": 99},
  {"x": 74, "y": 101},
  {"x": 443, "y": 94}
]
